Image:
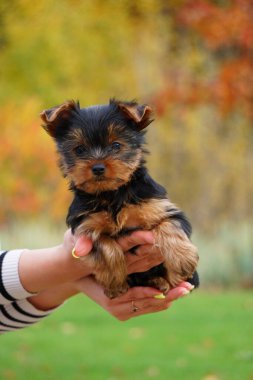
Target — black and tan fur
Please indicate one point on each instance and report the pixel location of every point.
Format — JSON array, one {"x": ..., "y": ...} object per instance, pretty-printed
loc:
[{"x": 101, "y": 152}]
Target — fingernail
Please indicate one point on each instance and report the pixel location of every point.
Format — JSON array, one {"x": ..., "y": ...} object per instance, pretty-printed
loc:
[
  {"x": 191, "y": 287},
  {"x": 160, "y": 296},
  {"x": 73, "y": 252},
  {"x": 83, "y": 246},
  {"x": 185, "y": 292}
]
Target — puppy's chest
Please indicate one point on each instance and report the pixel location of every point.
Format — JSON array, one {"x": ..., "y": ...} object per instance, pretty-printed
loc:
[{"x": 144, "y": 215}]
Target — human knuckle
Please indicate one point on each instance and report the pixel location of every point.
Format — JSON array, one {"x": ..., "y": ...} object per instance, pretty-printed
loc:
[{"x": 141, "y": 252}]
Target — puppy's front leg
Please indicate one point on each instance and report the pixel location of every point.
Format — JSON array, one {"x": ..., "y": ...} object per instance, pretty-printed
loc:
[
  {"x": 110, "y": 267},
  {"x": 180, "y": 254}
]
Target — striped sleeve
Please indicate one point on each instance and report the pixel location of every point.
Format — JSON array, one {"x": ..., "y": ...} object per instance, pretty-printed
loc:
[
  {"x": 11, "y": 288},
  {"x": 19, "y": 314},
  {"x": 16, "y": 312}
]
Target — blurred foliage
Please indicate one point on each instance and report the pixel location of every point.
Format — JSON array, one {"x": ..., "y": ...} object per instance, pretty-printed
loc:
[{"x": 192, "y": 60}]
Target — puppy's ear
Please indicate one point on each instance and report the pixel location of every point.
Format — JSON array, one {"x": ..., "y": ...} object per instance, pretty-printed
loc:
[
  {"x": 140, "y": 114},
  {"x": 56, "y": 119}
]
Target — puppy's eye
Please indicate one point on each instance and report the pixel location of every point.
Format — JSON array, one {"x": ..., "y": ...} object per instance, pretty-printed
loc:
[
  {"x": 116, "y": 146},
  {"x": 79, "y": 150}
]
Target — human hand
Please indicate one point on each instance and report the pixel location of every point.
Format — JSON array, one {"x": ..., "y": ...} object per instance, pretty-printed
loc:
[
  {"x": 52, "y": 272},
  {"x": 145, "y": 256},
  {"x": 137, "y": 301},
  {"x": 58, "y": 275}
]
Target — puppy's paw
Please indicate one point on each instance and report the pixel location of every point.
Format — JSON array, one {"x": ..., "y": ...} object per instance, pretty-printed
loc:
[
  {"x": 181, "y": 256},
  {"x": 159, "y": 283},
  {"x": 116, "y": 291}
]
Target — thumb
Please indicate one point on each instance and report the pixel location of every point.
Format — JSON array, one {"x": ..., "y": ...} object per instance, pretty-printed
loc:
[{"x": 83, "y": 246}]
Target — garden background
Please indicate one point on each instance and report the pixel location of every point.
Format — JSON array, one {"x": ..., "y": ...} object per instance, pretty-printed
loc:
[{"x": 193, "y": 62}]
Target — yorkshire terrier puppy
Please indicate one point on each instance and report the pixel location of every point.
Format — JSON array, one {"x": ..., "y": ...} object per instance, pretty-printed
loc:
[{"x": 101, "y": 152}]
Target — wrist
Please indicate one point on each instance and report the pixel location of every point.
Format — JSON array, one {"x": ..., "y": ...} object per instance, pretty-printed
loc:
[{"x": 53, "y": 297}]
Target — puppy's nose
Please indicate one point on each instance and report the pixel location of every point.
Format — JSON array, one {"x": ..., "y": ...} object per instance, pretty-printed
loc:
[{"x": 98, "y": 169}]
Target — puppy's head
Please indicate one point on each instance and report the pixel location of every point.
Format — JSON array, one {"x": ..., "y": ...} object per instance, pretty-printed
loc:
[{"x": 100, "y": 147}]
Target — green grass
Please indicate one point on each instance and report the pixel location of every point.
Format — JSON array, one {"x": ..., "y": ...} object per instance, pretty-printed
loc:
[{"x": 205, "y": 336}]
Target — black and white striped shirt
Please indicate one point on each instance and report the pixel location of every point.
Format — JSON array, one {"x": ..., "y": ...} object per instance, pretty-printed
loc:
[{"x": 16, "y": 312}]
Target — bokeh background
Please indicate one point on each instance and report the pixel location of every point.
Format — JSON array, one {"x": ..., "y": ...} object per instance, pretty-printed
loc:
[{"x": 193, "y": 62}]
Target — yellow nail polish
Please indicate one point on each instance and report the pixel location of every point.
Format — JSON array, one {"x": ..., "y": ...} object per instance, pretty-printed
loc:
[
  {"x": 74, "y": 253},
  {"x": 159, "y": 296}
]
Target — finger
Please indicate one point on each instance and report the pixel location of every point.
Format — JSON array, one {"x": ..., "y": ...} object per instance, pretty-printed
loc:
[
  {"x": 151, "y": 305},
  {"x": 144, "y": 259},
  {"x": 142, "y": 265},
  {"x": 176, "y": 293},
  {"x": 135, "y": 239},
  {"x": 149, "y": 250},
  {"x": 137, "y": 292},
  {"x": 187, "y": 285},
  {"x": 83, "y": 246},
  {"x": 141, "y": 307},
  {"x": 131, "y": 259},
  {"x": 135, "y": 263}
]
